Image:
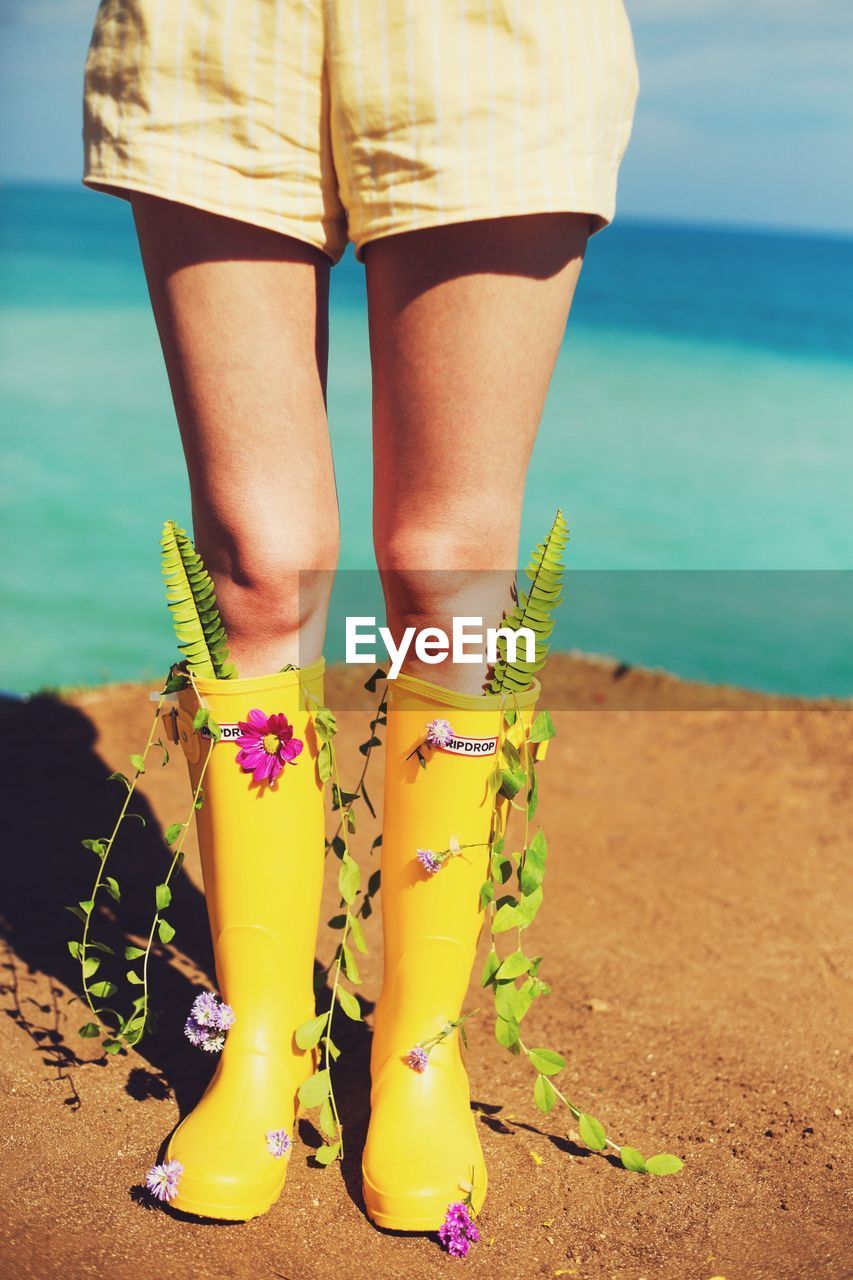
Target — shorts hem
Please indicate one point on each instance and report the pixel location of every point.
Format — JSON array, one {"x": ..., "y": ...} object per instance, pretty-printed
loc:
[
  {"x": 118, "y": 185},
  {"x": 600, "y": 212}
]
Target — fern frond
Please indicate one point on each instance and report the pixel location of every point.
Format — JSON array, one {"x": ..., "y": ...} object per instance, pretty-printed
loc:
[
  {"x": 534, "y": 610},
  {"x": 192, "y": 603}
]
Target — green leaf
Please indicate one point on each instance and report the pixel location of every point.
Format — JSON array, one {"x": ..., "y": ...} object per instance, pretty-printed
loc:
[
  {"x": 165, "y": 931},
  {"x": 592, "y": 1132},
  {"x": 349, "y": 819},
  {"x": 493, "y": 963},
  {"x": 514, "y": 966},
  {"x": 315, "y": 1090},
  {"x": 137, "y": 762},
  {"x": 544, "y": 1094},
  {"x": 89, "y": 1031},
  {"x": 632, "y": 1159},
  {"x": 349, "y": 878},
  {"x": 324, "y": 762},
  {"x": 349, "y": 1004},
  {"x": 112, "y": 1046},
  {"x": 308, "y": 1034},
  {"x": 542, "y": 728},
  {"x": 74, "y": 947},
  {"x": 357, "y": 934},
  {"x": 118, "y": 776},
  {"x": 487, "y": 893},
  {"x": 528, "y": 906},
  {"x": 547, "y": 1061},
  {"x": 162, "y": 896},
  {"x": 663, "y": 1164},
  {"x": 501, "y": 867},
  {"x": 171, "y": 833},
  {"x": 191, "y": 598},
  {"x": 532, "y": 795},
  {"x": 326, "y": 1120},
  {"x": 91, "y": 965},
  {"x": 325, "y": 724},
  {"x": 134, "y": 978},
  {"x": 101, "y": 990},
  {"x": 508, "y": 1035},
  {"x": 350, "y": 966},
  {"x": 333, "y": 1049},
  {"x": 100, "y": 946},
  {"x": 533, "y": 868},
  {"x": 200, "y": 719},
  {"x": 78, "y": 912},
  {"x": 133, "y": 953},
  {"x": 86, "y": 904},
  {"x": 112, "y": 888},
  {"x": 328, "y": 1154},
  {"x": 506, "y": 916},
  {"x": 512, "y": 780},
  {"x": 98, "y": 847},
  {"x": 534, "y": 610},
  {"x": 198, "y": 803},
  {"x": 510, "y": 753}
]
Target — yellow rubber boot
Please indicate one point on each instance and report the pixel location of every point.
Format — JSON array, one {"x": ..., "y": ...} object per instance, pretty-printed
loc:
[
  {"x": 422, "y": 1142},
  {"x": 262, "y": 854}
]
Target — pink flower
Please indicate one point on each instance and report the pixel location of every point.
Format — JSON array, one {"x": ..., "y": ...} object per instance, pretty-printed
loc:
[
  {"x": 266, "y": 745},
  {"x": 417, "y": 1058}
]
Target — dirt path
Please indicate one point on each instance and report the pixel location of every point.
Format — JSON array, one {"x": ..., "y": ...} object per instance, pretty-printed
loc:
[{"x": 698, "y": 933}]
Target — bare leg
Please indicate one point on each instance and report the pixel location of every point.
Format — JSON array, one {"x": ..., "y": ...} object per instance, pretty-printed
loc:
[
  {"x": 465, "y": 325},
  {"x": 242, "y": 317}
]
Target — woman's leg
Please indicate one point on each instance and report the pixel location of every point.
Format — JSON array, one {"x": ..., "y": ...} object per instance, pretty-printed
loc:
[
  {"x": 465, "y": 325},
  {"x": 242, "y": 317}
]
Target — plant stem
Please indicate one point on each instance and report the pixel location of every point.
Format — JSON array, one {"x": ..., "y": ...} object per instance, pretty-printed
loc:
[{"x": 131, "y": 788}]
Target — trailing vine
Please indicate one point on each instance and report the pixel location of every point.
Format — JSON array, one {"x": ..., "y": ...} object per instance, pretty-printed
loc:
[
  {"x": 513, "y": 892},
  {"x": 317, "y": 1092}
]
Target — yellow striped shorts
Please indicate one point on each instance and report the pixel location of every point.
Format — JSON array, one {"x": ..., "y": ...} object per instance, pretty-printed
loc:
[{"x": 330, "y": 120}]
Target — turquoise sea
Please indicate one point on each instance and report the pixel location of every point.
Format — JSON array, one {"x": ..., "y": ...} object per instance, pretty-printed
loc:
[{"x": 698, "y": 435}]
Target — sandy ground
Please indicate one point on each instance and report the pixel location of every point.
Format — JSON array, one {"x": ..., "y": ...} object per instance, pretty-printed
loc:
[{"x": 698, "y": 932}]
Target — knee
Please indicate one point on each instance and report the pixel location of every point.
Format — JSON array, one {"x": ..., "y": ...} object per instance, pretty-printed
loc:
[
  {"x": 269, "y": 570},
  {"x": 432, "y": 571}
]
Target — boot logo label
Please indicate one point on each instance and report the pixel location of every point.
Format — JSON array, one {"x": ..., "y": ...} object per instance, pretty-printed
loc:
[
  {"x": 230, "y": 732},
  {"x": 458, "y": 746}
]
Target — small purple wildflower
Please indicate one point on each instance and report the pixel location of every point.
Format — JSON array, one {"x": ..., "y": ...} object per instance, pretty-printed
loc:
[
  {"x": 417, "y": 1058},
  {"x": 278, "y": 1143},
  {"x": 162, "y": 1180},
  {"x": 225, "y": 1017},
  {"x": 205, "y": 1009},
  {"x": 429, "y": 861},
  {"x": 208, "y": 1021},
  {"x": 458, "y": 1231},
  {"x": 194, "y": 1033},
  {"x": 439, "y": 733}
]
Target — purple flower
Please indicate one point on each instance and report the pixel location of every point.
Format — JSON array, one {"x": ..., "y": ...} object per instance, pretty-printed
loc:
[
  {"x": 208, "y": 1021},
  {"x": 278, "y": 1143},
  {"x": 266, "y": 745},
  {"x": 439, "y": 733},
  {"x": 162, "y": 1180},
  {"x": 205, "y": 1009},
  {"x": 417, "y": 1058},
  {"x": 458, "y": 1231},
  {"x": 225, "y": 1017},
  {"x": 429, "y": 861},
  {"x": 195, "y": 1033}
]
